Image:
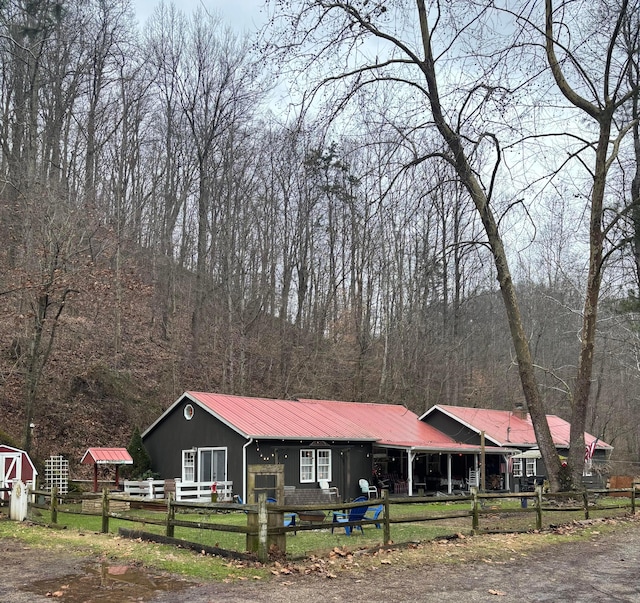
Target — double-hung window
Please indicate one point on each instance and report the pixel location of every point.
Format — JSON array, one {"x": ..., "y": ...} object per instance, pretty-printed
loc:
[
  {"x": 531, "y": 467},
  {"x": 324, "y": 464},
  {"x": 517, "y": 467},
  {"x": 307, "y": 466},
  {"x": 315, "y": 464}
]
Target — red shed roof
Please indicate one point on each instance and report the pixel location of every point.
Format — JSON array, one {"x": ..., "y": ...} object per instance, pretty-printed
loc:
[
  {"x": 107, "y": 456},
  {"x": 509, "y": 428}
]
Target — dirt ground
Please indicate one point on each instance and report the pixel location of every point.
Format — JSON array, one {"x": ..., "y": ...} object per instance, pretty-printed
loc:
[{"x": 604, "y": 567}]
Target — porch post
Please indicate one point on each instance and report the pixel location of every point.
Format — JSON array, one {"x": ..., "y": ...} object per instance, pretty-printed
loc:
[
  {"x": 507, "y": 484},
  {"x": 411, "y": 455},
  {"x": 449, "y": 477}
]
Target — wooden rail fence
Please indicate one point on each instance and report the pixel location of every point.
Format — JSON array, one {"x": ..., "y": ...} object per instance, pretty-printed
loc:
[{"x": 265, "y": 525}]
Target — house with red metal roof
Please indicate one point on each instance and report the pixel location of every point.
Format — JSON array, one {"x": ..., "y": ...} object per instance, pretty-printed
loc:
[
  {"x": 511, "y": 429},
  {"x": 206, "y": 437}
]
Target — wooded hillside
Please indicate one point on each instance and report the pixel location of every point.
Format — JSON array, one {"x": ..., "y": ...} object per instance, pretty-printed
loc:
[{"x": 163, "y": 231}]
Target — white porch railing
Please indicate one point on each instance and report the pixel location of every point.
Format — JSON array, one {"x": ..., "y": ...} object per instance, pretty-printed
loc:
[
  {"x": 201, "y": 491},
  {"x": 146, "y": 488}
]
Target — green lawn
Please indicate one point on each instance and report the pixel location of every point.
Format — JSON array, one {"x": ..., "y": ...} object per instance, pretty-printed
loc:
[{"x": 497, "y": 515}]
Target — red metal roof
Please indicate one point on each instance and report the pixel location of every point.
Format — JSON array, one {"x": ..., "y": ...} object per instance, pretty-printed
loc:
[
  {"x": 509, "y": 428},
  {"x": 285, "y": 419},
  {"x": 107, "y": 456},
  {"x": 392, "y": 425},
  {"x": 386, "y": 424}
]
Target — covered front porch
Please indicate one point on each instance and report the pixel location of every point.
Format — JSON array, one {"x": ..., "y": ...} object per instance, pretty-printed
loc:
[{"x": 418, "y": 471}]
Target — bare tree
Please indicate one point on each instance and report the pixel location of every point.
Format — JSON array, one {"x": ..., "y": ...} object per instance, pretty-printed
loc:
[{"x": 389, "y": 56}]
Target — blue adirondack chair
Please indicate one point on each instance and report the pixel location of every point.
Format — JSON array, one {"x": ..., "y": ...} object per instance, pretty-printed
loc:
[
  {"x": 374, "y": 513},
  {"x": 355, "y": 514}
]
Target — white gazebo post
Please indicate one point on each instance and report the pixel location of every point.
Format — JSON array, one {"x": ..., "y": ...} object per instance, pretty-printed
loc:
[{"x": 449, "y": 476}]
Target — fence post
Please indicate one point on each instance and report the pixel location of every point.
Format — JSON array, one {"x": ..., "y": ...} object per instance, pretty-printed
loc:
[
  {"x": 633, "y": 498},
  {"x": 171, "y": 515},
  {"x": 387, "y": 524},
  {"x": 54, "y": 504},
  {"x": 538, "y": 507},
  {"x": 475, "y": 521},
  {"x": 105, "y": 511},
  {"x": 263, "y": 552},
  {"x": 585, "y": 499}
]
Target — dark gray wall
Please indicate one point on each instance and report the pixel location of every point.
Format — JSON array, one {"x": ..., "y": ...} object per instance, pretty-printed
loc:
[
  {"x": 174, "y": 434},
  {"x": 350, "y": 462},
  {"x": 452, "y": 428}
]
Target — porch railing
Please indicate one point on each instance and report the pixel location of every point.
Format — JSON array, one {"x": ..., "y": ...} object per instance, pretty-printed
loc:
[
  {"x": 146, "y": 488},
  {"x": 201, "y": 491}
]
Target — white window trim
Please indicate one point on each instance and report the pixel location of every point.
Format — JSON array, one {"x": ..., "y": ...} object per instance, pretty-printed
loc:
[
  {"x": 306, "y": 457},
  {"x": 530, "y": 467},
  {"x": 517, "y": 467},
  {"x": 191, "y": 452},
  {"x": 226, "y": 460},
  {"x": 328, "y": 465}
]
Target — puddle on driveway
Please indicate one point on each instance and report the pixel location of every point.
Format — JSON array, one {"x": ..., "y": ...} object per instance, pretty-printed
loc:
[{"x": 106, "y": 583}]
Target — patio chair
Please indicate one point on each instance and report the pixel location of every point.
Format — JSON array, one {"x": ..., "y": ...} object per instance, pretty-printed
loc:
[
  {"x": 374, "y": 513},
  {"x": 290, "y": 520},
  {"x": 355, "y": 514},
  {"x": 331, "y": 491},
  {"x": 367, "y": 488}
]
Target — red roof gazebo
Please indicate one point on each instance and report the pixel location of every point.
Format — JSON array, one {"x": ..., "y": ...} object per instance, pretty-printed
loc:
[{"x": 106, "y": 456}]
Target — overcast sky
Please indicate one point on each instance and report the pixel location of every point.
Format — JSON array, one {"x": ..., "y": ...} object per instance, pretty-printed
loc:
[{"x": 240, "y": 14}]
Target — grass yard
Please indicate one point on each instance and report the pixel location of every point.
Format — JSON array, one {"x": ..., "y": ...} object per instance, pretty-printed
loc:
[{"x": 498, "y": 515}]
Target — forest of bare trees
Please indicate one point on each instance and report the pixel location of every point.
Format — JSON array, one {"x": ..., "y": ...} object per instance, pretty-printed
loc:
[{"x": 289, "y": 215}]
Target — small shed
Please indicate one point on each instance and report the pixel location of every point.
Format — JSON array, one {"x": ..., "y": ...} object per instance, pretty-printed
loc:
[
  {"x": 15, "y": 464},
  {"x": 106, "y": 456}
]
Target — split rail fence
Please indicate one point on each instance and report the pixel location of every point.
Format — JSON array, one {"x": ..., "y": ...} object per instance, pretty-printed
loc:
[{"x": 265, "y": 526}]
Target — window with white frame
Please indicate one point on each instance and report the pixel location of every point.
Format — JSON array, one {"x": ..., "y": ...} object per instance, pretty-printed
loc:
[
  {"x": 531, "y": 467},
  {"x": 517, "y": 467},
  {"x": 188, "y": 465},
  {"x": 212, "y": 464},
  {"x": 324, "y": 464},
  {"x": 307, "y": 466}
]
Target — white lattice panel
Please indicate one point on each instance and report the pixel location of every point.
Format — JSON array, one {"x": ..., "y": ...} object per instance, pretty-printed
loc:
[{"x": 56, "y": 474}]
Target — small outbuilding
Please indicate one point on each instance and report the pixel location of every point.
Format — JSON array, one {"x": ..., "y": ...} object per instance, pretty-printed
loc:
[
  {"x": 106, "y": 457},
  {"x": 15, "y": 464}
]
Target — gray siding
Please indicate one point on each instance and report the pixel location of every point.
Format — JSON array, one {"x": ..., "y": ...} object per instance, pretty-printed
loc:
[
  {"x": 454, "y": 429},
  {"x": 350, "y": 462},
  {"x": 174, "y": 434}
]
